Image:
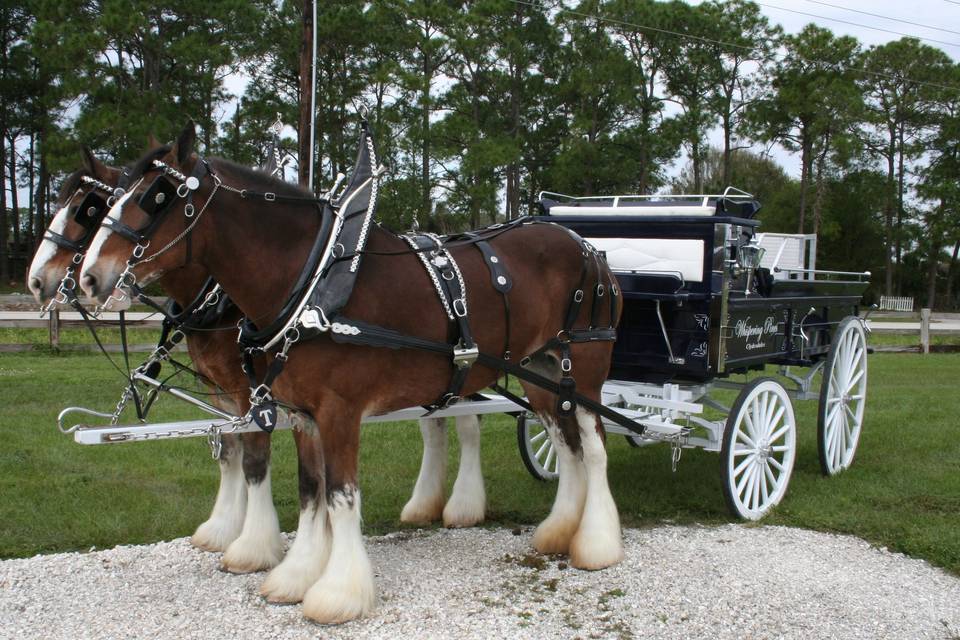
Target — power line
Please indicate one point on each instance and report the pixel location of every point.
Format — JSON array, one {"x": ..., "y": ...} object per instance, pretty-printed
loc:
[
  {"x": 857, "y": 24},
  {"x": 877, "y": 15},
  {"x": 761, "y": 58}
]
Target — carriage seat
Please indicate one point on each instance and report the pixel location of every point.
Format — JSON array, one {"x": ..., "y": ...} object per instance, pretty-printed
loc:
[{"x": 681, "y": 257}]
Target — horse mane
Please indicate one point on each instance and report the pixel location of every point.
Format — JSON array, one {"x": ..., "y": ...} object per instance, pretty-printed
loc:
[
  {"x": 146, "y": 161},
  {"x": 71, "y": 183},
  {"x": 254, "y": 178}
]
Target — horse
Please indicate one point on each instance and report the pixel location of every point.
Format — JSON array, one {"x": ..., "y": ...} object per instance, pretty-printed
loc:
[
  {"x": 256, "y": 250},
  {"x": 243, "y": 523}
]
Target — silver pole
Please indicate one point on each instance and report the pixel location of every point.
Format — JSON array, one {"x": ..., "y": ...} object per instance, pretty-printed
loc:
[{"x": 313, "y": 96}]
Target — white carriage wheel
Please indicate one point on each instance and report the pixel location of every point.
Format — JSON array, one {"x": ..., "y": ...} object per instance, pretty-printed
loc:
[
  {"x": 536, "y": 448},
  {"x": 759, "y": 448},
  {"x": 843, "y": 397}
]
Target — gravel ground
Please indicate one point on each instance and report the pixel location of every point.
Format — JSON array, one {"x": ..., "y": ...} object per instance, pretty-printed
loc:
[{"x": 677, "y": 582}]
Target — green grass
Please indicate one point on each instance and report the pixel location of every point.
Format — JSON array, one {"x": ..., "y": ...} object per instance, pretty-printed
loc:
[
  {"x": 107, "y": 335},
  {"x": 903, "y": 491}
]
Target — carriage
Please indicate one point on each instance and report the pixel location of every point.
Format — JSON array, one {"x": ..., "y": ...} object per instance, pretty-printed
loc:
[{"x": 706, "y": 298}]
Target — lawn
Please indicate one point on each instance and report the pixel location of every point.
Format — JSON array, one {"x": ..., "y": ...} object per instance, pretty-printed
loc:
[{"x": 903, "y": 491}]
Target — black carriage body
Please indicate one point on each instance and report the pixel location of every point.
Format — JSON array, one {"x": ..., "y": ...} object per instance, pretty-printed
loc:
[{"x": 714, "y": 327}]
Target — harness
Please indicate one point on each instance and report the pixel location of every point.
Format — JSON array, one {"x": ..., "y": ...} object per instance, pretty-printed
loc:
[{"x": 329, "y": 274}]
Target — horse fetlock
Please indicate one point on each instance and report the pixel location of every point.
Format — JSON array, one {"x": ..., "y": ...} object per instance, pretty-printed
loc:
[
  {"x": 467, "y": 505},
  {"x": 423, "y": 509},
  {"x": 217, "y": 533},
  {"x": 598, "y": 542},
  {"x": 251, "y": 553},
  {"x": 554, "y": 534},
  {"x": 341, "y": 596}
]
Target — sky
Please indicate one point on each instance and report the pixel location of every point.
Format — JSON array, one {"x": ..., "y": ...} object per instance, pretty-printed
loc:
[{"x": 941, "y": 29}]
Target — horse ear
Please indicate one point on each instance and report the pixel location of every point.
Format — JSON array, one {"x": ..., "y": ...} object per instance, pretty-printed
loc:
[
  {"x": 184, "y": 144},
  {"x": 90, "y": 162},
  {"x": 152, "y": 142}
]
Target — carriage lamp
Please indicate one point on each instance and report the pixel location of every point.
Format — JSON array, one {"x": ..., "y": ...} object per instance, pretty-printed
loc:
[{"x": 748, "y": 259}]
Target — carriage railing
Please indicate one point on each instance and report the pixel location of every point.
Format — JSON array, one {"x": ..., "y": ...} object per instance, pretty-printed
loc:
[
  {"x": 653, "y": 201},
  {"x": 832, "y": 276}
]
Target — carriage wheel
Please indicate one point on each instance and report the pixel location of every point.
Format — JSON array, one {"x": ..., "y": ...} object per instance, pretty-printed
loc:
[
  {"x": 536, "y": 448},
  {"x": 843, "y": 396},
  {"x": 759, "y": 447}
]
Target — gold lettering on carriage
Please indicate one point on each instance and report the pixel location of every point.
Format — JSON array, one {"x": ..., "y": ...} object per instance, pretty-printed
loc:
[{"x": 755, "y": 335}]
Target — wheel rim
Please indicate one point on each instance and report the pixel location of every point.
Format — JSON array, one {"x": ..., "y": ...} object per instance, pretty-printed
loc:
[
  {"x": 540, "y": 449},
  {"x": 844, "y": 400},
  {"x": 762, "y": 450}
]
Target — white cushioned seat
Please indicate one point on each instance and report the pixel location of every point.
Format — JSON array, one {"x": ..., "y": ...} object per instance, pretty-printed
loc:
[{"x": 655, "y": 255}]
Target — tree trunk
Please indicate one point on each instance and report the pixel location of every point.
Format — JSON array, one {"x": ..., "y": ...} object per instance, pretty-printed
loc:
[
  {"x": 4, "y": 239},
  {"x": 932, "y": 274},
  {"x": 39, "y": 219},
  {"x": 952, "y": 276},
  {"x": 425, "y": 203},
  {"x": 304, "y": 152},
  {"x": 14, "y": 206},
  {"x": 806, "y": 163},
  {"x": 888, "y": 221},
  {"x": 820, "y": 183},
  {"x": 30, "y": 179},
  {"x": 727, "y": 153},
  {"x": 899, "y": 234}
]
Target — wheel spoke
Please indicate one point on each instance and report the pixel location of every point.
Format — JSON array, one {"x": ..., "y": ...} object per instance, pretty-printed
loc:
[
  {"x": 781, "y": 448},
  {"x": 537, "y": 438},
  {"x": 777, "y": 464},
  {"x": 543, "y": 447},
  {"x": 756, "y": 490},
  {"x": 747, "y": 493},
  {"x": 740, "y": 467},
  {"x": 763, "y": 485},
  {"x": 748, "y": 422},
  {"x": 779, "y": 432},
  {"x": 774, "y": 484},
  {"x": 742, "y": 451},
  {"x": 551, "y": 458},
  {"x": 744, "y": 479},
  {"x": 745, "y": 439},
  {"x": 852, "y": 382}
]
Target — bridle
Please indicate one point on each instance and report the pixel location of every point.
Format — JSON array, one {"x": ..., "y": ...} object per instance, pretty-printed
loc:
[
  {"x": 156, "y": 202},
  {"x": 88, "y": 214}
]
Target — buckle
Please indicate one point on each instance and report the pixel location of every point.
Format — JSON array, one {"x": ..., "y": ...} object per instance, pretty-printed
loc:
[
  {"x": 464, "y": 358},
  {"x": 259, "y": 395},
  {"x": 460, "y": 308}
]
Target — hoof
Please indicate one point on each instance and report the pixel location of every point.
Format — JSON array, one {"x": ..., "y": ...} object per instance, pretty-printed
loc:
[
  {"x": 247, "y": 555},
  {"x": 216, "y": 535},
  {"x": 334, "y": 600},
  {"x": 461, "y": 514},
  {"x": 287, "y": 584},
  {"x": 422, "y": 511},
  {"x": 593, "y": 553},
  {"x": 554, "y": 537}
]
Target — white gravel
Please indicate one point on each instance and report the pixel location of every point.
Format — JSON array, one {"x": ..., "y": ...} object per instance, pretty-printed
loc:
[{"x": 677, "y": 582}]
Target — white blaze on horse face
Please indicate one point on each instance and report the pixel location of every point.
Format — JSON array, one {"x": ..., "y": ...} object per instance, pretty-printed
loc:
[
  {"x": 47, "y": 249},
  {"x": 93, "y": 253}
]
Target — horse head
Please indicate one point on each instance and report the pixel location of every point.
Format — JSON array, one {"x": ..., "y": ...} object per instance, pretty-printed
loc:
[
  {"x": 81, "y": 204},
  {"x": 139, "y": 239}
]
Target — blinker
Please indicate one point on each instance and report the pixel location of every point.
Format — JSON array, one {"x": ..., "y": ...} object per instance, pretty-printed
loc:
[
  {"x": 90, "y": 210},
  {"x": 158, "y": 196}
]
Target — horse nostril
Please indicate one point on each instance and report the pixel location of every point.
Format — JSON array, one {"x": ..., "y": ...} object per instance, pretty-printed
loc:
[
  {"x": 89, "y": 284},
  {"x": 36, "y": 284}
]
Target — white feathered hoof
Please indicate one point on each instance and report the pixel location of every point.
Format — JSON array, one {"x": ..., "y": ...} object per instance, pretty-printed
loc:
[
  {"x": 335, "y": 599},
  {"x": 216, "y": 534},
  {"x": 287, "y": 584},
  {"x": 249, "y": 555},
  {"x": 554, "y": 535},
  {"x": 420, "y": 511},
  {"x": 465, "y": 511},
  {"x": 597, "y": 545}
]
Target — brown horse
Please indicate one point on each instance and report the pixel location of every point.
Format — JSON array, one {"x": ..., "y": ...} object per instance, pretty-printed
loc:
[
  {"x": 243, "y": 522},
  {"x": 256, "y": 251}
]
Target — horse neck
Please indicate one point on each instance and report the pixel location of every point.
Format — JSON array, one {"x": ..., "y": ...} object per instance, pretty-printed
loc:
[
  {"x": 183, "y": 285},
  {"x": 256, "y": 251}
]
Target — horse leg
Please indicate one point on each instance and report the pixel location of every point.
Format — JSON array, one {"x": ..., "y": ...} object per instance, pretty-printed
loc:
[
  {"x": 426, "y": 503},
  {"x": 598, "y": 542},
  {"x": 468, "y": 502},
  {"x": 346, "y": 590},
  {"x": 304, "y": 562},
  {"x": 553, "y": 535},
  {"x": 226, "y": 520},
  {"x": 260, "y": 545}
]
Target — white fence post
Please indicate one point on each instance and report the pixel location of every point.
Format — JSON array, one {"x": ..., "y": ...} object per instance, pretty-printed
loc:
[{"x": 925, "y": 330}]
